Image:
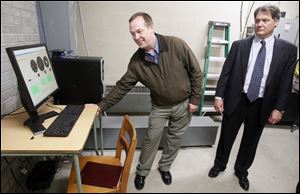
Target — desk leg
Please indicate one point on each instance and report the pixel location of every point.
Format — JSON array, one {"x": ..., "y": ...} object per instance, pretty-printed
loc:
[
  {"x": 77, "y": 173},
  {"x": 101, "y": 134},
  {"x": 95, "y": 138}
]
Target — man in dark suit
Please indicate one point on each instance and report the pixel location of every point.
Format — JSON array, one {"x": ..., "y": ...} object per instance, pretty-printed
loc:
[{"x": 253, "y": 88}]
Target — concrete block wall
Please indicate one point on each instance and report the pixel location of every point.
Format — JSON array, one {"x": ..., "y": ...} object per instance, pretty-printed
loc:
[{"x": 19, "y": 26}]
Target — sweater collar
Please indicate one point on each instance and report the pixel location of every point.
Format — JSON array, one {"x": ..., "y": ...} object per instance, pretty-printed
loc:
[{"x": 162, "y": 43}]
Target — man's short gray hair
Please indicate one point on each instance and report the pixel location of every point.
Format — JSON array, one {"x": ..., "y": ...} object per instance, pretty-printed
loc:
[{"x": 275, "y": 12}]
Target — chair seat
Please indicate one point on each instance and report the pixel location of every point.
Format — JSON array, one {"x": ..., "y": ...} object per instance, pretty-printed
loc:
[{"x": 72, "y": 186}]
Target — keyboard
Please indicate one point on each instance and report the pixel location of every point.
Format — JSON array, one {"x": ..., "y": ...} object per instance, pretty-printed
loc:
[{"x": 65, "y": 121}]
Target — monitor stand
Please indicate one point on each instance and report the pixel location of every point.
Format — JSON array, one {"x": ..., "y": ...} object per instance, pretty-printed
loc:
[{"x": 34, "y": 122}]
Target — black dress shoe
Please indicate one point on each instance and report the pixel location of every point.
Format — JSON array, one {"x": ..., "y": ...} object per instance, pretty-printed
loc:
[
  {"x": 214, "y": 171},
  {"x": 166, "y": 176},
  {"x": 139, "y": 182},
  {"x": 243, "y": 181}
]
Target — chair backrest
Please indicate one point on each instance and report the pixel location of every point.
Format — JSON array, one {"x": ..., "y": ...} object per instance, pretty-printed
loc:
[{"x": 126, "y": 141}]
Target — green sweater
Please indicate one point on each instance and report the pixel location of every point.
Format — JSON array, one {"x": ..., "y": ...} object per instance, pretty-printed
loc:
[{"x": 176, "y": 78}]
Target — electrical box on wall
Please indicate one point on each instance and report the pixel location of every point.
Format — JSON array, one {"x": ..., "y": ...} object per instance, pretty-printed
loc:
[
  {"x": 287, "y": 29},
  {"x": 58, "y": 20}
]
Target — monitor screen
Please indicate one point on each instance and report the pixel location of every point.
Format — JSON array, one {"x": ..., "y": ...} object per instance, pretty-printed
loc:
[{"x": 35, "y": 76}]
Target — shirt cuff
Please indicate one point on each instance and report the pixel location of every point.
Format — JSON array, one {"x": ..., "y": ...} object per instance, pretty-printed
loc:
[{"x": 218, "y": 98}]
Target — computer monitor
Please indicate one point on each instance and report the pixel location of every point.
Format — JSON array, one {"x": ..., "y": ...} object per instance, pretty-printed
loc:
[
  {"x": 36, "y": 81},
  {"x": 80, "y": 79}
]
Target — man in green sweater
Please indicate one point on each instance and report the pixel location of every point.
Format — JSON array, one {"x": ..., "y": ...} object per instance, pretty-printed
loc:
[{"x": 168, "y": 67}]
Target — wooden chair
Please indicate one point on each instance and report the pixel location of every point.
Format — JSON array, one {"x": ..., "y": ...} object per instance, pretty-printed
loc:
[{"x": 122, "y": 143}]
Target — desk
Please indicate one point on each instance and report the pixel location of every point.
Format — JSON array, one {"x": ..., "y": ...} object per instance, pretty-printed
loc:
[{"x": 16, "y": 138}]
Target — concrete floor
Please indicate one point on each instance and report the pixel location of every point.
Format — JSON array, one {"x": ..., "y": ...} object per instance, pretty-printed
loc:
[{"x": 275, "y": 168}]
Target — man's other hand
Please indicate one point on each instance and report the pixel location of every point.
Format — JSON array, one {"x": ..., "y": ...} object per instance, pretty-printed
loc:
[
  {"x": 192, "y": 108},
  {"x": 218, "y": 105},
  {"x": 275, "y": 116}
]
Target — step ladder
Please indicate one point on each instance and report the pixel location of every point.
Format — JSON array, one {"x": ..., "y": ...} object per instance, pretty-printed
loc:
[{"x": 217, "y": 37}]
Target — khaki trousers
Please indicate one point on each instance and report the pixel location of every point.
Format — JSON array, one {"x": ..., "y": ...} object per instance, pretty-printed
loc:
[{"x": 179, "y": 119}]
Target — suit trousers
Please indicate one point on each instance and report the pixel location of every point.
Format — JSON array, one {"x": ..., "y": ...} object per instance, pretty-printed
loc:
[
  {"x": 179, "y": 119},
  {"x": 250, "y": 114}
]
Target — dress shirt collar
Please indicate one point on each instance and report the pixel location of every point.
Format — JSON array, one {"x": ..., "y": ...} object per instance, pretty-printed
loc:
[{"x": 269, "y": 39}]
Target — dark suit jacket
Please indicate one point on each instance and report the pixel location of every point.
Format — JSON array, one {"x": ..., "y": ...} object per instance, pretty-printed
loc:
[{"x": 278, "y": 84}]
